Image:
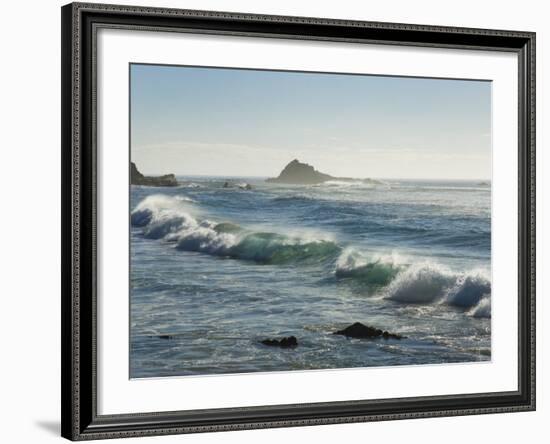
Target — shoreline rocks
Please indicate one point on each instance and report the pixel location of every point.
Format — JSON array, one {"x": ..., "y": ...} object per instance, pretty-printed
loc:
[
  {"x": 136, "y": 178},
  {"x": 362, "y": 331}
]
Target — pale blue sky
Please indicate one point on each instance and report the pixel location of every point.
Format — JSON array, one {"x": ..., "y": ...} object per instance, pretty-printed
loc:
[{"x": 212, "y": 121}]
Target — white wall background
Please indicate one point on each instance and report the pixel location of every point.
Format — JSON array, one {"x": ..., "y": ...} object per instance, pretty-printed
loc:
[{"x": 30, "y": 220}]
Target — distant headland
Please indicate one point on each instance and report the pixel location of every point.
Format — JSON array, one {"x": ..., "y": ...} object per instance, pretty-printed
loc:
[
  {"x": 136, "y": 178},
  {"x": 299, "y": 173}
]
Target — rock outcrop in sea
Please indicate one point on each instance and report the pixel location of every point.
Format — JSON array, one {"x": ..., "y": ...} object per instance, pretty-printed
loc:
[
  {"x": 358, "y": 330},
  {"x": 136, "y": 178},
  {"x": 289, "y": 342},
  {"x": 299, "y": 173},
  {"x": 242, "y": 186}
]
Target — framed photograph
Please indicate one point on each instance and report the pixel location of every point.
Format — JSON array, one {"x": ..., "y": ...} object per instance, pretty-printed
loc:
[{"x": 278, "y": 221}]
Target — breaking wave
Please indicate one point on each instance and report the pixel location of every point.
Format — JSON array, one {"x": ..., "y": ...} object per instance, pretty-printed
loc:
[
  {"x": 423, "y": 283},
  {"x": 431, "y": 283},
  {"x": 469, "y": 290},
  {"x": 173, "y": 219},
  {"x": 164, "y": 217},
  {"x": 420, "y": 284},
  {"x": 354, "y": 265}
]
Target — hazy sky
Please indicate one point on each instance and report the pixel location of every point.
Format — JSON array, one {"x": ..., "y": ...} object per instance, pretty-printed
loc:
[{"x": 232, "y": 122}]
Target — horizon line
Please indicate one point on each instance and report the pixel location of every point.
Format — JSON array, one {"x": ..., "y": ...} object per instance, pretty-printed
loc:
[{"x": 335, "y": 178}]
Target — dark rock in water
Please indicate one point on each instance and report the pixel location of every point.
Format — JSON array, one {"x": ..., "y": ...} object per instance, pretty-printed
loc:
[
  {"x": 163, "y": 337},
  {"x": 136, "y": 178},
  {"x": 358, "y": 330},
  {"x": 289, "y": 342},
  {"x": 241, "y": 186}
]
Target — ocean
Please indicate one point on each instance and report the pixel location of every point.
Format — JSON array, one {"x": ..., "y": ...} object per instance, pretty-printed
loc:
[{"x": 215, "y": 270}]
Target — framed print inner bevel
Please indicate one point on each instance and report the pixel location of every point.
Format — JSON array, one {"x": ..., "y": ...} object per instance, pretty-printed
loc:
[{"x": 183, "y": 335}]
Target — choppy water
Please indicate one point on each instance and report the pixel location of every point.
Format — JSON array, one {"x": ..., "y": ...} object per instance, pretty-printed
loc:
[{"x": 215, "y": 270}]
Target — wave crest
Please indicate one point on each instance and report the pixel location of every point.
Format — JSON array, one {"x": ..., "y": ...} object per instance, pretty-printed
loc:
[
  {"x": 423, "y": 283},
  {"x": 229, "y": 240},
  {"x": 164, "y": 217},
  {"x": 354, "y": 265},
  {"x": 430, "y": 283},
  {"x": 468, "y": 290},
  {"x": 159, "y": 215}
]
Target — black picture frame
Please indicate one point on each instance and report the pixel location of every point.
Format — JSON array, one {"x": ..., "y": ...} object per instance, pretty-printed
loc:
[{"x": 80, "y": 420}]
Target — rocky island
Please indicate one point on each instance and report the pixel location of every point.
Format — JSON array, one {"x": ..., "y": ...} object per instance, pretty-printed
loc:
[
  {"x": 299, "y": 173},
  {"x": 136, "y": 178}
]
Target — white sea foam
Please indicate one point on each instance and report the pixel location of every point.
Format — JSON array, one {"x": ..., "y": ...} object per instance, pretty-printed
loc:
[
  {"x": 421, "y": 283},
  {"x": 469, "y": 289},
  {"x": 184, "y": 199},
  {"x": 161, "y": 215},
  {"x": 482, "y": 309},
  {"x": 190, "y": 185},
  {"x": 352, "y": 184},
  {"x": 430, "y": 283},
  {"x": 349, "y": 260}
]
